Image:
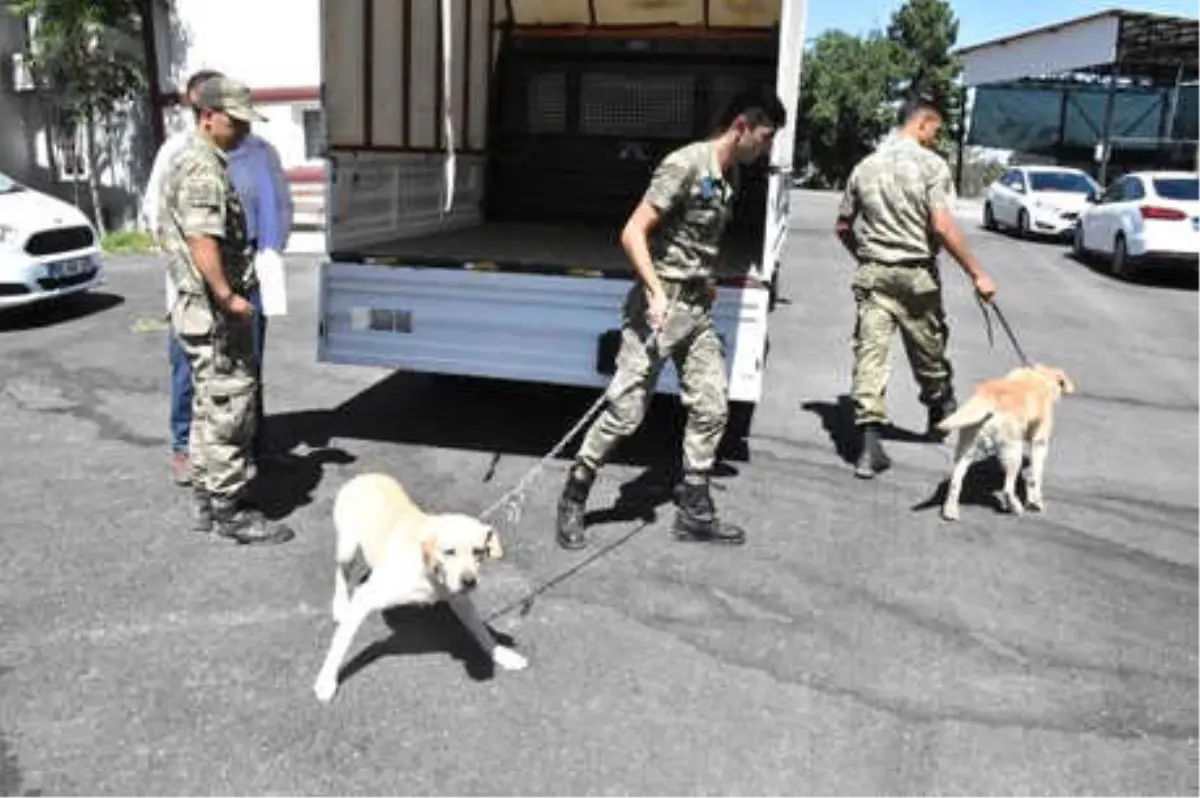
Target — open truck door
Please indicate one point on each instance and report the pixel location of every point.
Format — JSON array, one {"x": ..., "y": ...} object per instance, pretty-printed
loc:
[{"x": 554, "y": 113}]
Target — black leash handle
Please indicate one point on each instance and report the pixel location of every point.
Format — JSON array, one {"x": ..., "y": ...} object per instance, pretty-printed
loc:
[{"x": 1012, "y": 338}]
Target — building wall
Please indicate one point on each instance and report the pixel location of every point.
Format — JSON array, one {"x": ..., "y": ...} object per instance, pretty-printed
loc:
[
  {"x": 15, "y": 153},
  {"x": 31, "y": 148},
  {"x": 244, "y": 39}
]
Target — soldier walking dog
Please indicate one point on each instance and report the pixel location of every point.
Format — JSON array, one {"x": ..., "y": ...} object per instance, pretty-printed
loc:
[
  {"x": 667, "y": 315},
  {"x": 894, "y": 216}
]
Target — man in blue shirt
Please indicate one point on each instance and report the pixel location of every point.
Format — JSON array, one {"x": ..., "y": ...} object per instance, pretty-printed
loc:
[{"x": 257, "y": 174}]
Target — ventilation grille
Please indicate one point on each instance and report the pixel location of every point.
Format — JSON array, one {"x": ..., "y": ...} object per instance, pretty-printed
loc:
[{"x": 646, "y": 106}]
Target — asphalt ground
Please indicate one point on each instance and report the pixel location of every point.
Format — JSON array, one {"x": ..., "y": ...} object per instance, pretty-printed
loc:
[{"x": 856, "y": 645}]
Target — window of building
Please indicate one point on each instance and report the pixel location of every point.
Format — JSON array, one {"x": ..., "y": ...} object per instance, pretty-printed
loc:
[
  {"x": 67, "y": 140},
  {"x": 313, "y": 122}
]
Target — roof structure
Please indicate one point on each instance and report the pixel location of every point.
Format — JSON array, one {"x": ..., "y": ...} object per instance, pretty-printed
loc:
[{"x": 1154, "y": 48}]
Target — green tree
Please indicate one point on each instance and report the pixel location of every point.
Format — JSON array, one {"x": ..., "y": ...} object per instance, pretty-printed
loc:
[
  {"x": 844, "y": 103},
  {"x": 85, "y": 57},
  {"x": 924, "y": 33}
]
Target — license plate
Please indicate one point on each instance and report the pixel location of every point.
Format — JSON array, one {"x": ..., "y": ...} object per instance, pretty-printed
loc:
[{"x": 68, "y": 268}]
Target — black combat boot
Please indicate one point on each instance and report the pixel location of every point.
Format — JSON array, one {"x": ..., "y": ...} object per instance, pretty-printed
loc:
[
  {"x": 939, "y": 412},
  {"x": 570, "y": 526},
  {"x": 246, "y": 525},
  {"x": 696, "y": 517},
  {"x": 872, "y": 459},
  {"x": 202, "y": 511}
]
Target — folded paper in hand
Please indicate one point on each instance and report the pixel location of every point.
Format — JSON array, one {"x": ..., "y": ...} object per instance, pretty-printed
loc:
[{"x": 271, "y": 284}]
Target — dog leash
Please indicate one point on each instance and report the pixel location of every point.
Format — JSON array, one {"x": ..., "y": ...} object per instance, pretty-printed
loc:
[
  {"x": 512, "y": 501},
  {"x": 987, "y": 323}
]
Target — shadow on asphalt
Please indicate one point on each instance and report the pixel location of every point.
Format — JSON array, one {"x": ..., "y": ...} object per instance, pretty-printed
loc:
[
  {"x": 1176, "y": 278},
  {"x": 981, "y": 487},
  {"x": 838, "y": 420},
  {"x": 492, "y": 416},
  {"x": 58, "y": 311},
  {"x": 289, "y": 481},
  {"x": 425, "y": 630}
]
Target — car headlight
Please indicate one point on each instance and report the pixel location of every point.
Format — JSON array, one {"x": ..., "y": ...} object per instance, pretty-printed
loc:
[{"x": 8, "y": 235}]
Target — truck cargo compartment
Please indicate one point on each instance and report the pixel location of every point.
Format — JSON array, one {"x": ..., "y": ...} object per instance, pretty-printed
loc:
[{"x": 533, "y": 248}]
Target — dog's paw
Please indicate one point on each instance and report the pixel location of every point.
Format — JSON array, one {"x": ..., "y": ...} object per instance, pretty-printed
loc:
[
  {"x": 508, "y": 659},
  {"x": 325, "y": 689},
  {"x": 950, "y": 513},
  {"x": 1036, "y": 504},
  {"x": 1011, "y": 505}
]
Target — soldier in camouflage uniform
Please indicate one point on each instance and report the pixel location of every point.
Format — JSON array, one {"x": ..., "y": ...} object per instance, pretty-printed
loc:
[
  {"x": 667, "y": 315},
  {"x": 203, "y": 230},
  {"x": 894, "y": 215}
]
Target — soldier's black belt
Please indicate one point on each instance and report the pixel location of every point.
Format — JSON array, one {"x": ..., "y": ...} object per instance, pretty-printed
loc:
[
  {"x": 908, "y": 263},
  {"x": 694, "y": 287}
]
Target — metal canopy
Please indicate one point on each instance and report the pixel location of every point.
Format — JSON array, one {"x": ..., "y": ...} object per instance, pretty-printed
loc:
[
  {"x": 1147, "y": 47},
  {"x": 1124, "y": 51}
]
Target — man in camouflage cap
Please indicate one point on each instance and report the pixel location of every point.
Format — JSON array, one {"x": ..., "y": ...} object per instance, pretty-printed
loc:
[
  {"x": 895, "y": 213},
  {"x": 208, "y": 252},
  {"x": 667, "y": 315}
]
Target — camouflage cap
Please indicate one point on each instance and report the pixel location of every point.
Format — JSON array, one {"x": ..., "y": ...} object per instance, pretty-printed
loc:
[{"x": 228, "y": 95}]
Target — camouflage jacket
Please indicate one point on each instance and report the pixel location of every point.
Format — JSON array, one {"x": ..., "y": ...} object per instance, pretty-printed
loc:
[
  {"x": 696, "y": 202},
  {"x": 197, "y": 199},
  {"x": 890, "y": 196}
]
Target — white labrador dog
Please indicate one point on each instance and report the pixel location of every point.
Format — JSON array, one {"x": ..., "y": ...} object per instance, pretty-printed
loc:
[
  {"x": 414, "y": 557},
  {"x": 1004, "y": 415}
]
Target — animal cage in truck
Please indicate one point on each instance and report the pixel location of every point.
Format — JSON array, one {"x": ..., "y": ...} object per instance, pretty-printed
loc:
[{"x": 483, "y": 156}]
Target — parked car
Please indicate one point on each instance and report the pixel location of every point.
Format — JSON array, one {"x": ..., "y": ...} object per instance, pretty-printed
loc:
[
  {"x": 48, "y": 248},
  {"x": 1038, "y": 200},
  {"x": 1143, "y": 219}
]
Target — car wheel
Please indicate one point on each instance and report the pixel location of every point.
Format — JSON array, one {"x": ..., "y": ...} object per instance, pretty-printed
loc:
[
  {"x": 989, "y": 217},
  {"x": 1077, "y": 246},
  {"x": 1023, "y": 224},
  {"x": 1120, "y": 265}
]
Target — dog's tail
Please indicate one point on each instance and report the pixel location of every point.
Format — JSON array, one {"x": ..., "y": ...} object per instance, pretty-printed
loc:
[{"x": 975, "y": 411}]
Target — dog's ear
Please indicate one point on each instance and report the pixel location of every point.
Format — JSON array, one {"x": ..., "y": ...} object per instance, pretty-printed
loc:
[
  {"x": 429, "y": 552},
  {"x": 1065, "y": 383},
  {"x": 492, "y": 542}
]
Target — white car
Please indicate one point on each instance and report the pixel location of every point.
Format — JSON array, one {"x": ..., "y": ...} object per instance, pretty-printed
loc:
[
  {"x": 1143, "y": 219},
  {"x": 48, "y": 248},
  {"x": 1038, "y": 200}
]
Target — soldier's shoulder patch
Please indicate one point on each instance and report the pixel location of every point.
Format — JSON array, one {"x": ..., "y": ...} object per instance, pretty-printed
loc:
[{"x": 202, "y": 191}]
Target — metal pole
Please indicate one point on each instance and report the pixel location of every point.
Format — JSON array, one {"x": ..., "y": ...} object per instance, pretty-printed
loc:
[
  {"x": 1175, "y": 103},
  {"x": 150, "y": 50},
  {"x": 962, "y": 138},
  {"x": 1106, "y": 129}
]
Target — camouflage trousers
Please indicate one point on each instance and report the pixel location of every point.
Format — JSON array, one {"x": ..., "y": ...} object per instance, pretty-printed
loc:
[
  {"x": 688, "y": 339},
  {"x": 908, "y": 298},
  {"x": 220, "y": 352}
]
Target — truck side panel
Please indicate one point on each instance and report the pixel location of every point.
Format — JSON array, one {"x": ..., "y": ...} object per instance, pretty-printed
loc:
[{"x": 538, "y": 328}]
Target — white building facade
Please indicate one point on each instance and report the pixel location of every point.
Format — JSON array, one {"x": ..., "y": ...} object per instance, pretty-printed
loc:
[{"x": 273, "y": 46}]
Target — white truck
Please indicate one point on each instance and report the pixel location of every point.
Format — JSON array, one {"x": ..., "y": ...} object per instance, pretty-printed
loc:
[{"x": 483, "y": 156}]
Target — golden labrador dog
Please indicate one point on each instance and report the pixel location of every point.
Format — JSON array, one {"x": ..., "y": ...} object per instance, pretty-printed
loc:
[
  {"x": 999, "y": 418},
  {"x": 414, "y": 557}
]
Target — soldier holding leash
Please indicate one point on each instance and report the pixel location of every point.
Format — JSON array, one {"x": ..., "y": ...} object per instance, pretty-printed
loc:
[
  {"x": 895, "y": 214},
  {"x": 667, "y": 315},
  {"x": 203, "y": 229}
]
